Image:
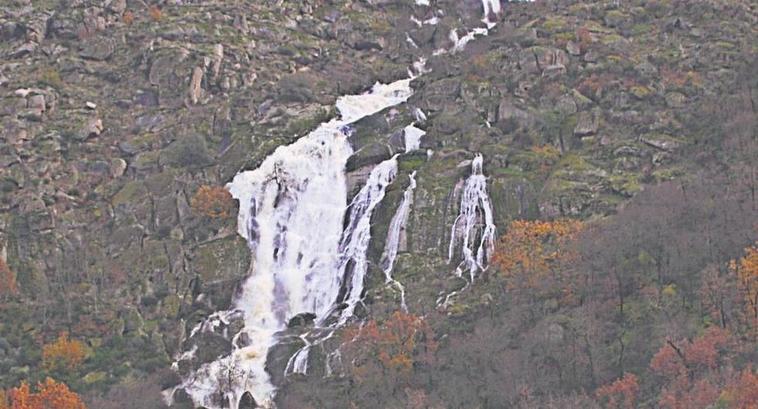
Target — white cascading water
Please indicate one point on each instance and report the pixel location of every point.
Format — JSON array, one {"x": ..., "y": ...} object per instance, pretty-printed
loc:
[
  {"x": 412, "y": 137},
  {"x": 491, "y": 7},
  {"x": 353, "y": 263},
  {"x": 292, "y": 209},
  {"x": 474, "y": 228},
  {"x": 291, "y": 212},
  {"x": 352, "y": 250},
  {"x": 396, "y": 230}
]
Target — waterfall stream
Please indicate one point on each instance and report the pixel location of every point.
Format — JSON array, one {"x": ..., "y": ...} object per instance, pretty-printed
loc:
[
  {"x": 352, "y": 250},
  {"x": 394, "y": 236},
  {"x": 292, "y": 209},
  {"x": 474, "y": 228},
  {"x": 305, "y": 258}
]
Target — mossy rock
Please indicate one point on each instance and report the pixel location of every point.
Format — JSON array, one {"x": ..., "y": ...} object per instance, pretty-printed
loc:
[
  {"x": 95, "y": 377},
  {"x": 626, "y": 184},
  {"x": 145, "y": 161},
  {"x": 133, "y": 192},
  {"x": 641, "y": 91},
  {"x": 223, "y": 259},
  {"x": 555, "y": 24},
  {"x": 171, "y": 305},
  {"x": 160, "y": 183},
  {"x": 513, "y": 198},
  {"x": 190, "y": 151},
  {"x": 616, "y": 18}
]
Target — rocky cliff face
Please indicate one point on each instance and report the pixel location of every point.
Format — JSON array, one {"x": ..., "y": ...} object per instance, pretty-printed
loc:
[{"x": 115, "y": 112}]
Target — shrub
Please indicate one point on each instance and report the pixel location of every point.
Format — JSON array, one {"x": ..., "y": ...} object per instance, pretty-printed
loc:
[
  {"x": 128, "y": 17},
  {"x": 621, "y": 394},
  {"x": 8, "y": 286},
  {"x": 64, "y": 353},
  {"x": 155, "y": 13},
  {"x": 532, "y": 254},
  {"x": 50, "y": 395},
  {"x": 213, "y": 201},
  {"x": 390, "y": 348}
]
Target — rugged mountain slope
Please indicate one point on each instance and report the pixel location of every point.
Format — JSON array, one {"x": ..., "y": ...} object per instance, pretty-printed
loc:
[{"x": 114, "y": 113}]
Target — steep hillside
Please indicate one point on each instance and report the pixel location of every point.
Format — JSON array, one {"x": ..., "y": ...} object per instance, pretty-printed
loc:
[{"x": 617, "y": 143}]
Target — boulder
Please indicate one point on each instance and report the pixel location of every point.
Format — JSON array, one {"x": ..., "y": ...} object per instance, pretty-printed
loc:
[
  {"x": 190, "y": 151},
  {"x": 573, "y": 48},
  {"x": 676, "y": 100},
  {"x": 661, "y": 142},
  {"x": 554, "y": 71},
  {"x": 98, "y": 49},
  {"x": 586, "y": 124},
  {"x": 93, "y": 128},
  {"x": 508, "y": 112},
  {"x": 370, "y": 154}
]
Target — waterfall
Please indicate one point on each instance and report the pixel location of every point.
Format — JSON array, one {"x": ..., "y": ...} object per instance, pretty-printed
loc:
[
  {"x": 474, "y": 227},
  {"x": 355, "y": 241},
  {"x": 298, "y": 363},
  {"x": 412, "y": 137},
  {"x": 292, "y": 209},
  {"x": 490, "y": 7},
  {"x": 353, "y": 263},
  {"x": 396, "y": 229}
]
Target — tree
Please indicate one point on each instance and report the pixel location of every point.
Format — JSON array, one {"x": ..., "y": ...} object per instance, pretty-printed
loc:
[
  {"x": 689, "y": 370},
  {"x": 55, "y": 395},
  {"x": 533, "y": 253},
  {"x": 392, "y": 347},
  {"x": 63, "y": 353},
  {"x": 50, "y": 395},
  {"x": 746, "y": 270},
  {"x": 720, "y": 298},
  {"x": 8, "y": 286},
  {"x": 380, "y": 357},
  {"x": 21, "y": 397},
  {"x": 214, "y": 202},
  {"x": 743, "y": 392},
  {"x": 621, "y": 393}
]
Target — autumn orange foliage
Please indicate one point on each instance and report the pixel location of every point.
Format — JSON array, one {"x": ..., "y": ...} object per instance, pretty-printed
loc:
[
  {"x": 393, "y": 346},
  {"x": 621, "y": 393},
  {"x": 743, "y": 393},
  {"x": 64, "y": 353},
  {"x": 677, "y": 78},
  {"x": 683, "y": 366},
  {"x": 678, "y": 357},
  {"x": 155, "y": 13},
  {"x": 8, "y": 286},
  {"x": 50, "y": 395},
  {"x": 213, "y": 201},
  {"x": 128, "y": 17},
  {"x": 533, "y": 250},
  {"x": 746, "y": 270},
  {"x": 547, "y": 156}
]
